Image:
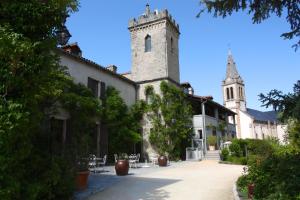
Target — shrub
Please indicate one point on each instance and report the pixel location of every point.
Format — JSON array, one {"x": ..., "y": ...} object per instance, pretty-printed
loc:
[
  {"x": 235, "y": 149},
  {"x": 224, "y": 154},
  {"x": 211, "y": 140},
  {"x": 276, "y": 175}
]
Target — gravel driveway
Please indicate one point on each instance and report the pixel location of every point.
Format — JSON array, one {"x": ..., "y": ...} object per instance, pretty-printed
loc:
[{"x": 205, "y": 180}]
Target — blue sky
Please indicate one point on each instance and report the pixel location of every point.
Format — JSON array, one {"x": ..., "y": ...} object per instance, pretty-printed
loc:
[{"x": 264, "y": 60}]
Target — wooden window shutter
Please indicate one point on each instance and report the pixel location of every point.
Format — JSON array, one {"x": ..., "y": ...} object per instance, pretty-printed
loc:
[{"x": 102, "y": 92}]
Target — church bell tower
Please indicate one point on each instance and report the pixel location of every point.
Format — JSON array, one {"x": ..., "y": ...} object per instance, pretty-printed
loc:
[
  {"x": 154, "y": 47},
  {"x": 233, "y": 87}
]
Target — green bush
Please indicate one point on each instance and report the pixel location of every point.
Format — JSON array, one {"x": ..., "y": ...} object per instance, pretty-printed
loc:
[
  {"x": 211, "y": 140},
  {"x": 237, "y": 160},
  {"x": 235, "y": 149},
  {"x": 224, "y": 154},
  {"x": 276, "y": 175}
]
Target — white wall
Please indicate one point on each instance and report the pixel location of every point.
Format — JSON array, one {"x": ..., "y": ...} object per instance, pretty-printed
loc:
[
  {"x": 246, "y": 125},
  {"x": 80, "y": 71},
  {"x": 281, "y": 132}
]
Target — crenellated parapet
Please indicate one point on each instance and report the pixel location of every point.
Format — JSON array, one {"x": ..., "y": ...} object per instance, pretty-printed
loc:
[{"x": 150, "y": 17}]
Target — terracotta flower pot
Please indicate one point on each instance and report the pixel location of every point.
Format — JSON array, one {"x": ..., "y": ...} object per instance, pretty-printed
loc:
[
  {"x": 212, "y": 147},
  {"x": 162, "y": 161},
  {"x": 82, "y": 180},
  {"x": 250, "y": 191},
  {"x": 122, "y": 167}
]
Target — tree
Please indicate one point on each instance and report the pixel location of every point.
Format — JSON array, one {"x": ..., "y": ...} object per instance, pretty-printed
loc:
[
  {"x": 171, "y": 118},
  {"x": 288, "y": 106},
  {"x": 32, "y": 81},
  {"x": 123, "y": 123},
  {"x": 261, "y": 10}
]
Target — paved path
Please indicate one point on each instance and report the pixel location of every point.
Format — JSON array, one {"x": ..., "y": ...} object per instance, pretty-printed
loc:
[{"x": 205, "y": 180}]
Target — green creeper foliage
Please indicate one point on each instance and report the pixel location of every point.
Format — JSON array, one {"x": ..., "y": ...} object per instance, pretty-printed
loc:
[
  {"x": 123, "y": 123},
  {"x": 171, "y": 118},
  {"x": 31, "y": 83},
  {"x": 260, "y": 10}
]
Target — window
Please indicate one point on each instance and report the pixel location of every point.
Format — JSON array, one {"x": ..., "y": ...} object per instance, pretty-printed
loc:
[
  {"x": 172, "y": 45},
  {"x": 148, "y": 43},
  {"x": 241, "y": 92},
  {"x": 231, "y": 93},
  {"x": 93, "y": 86},
  {"x": 97, "y": 88},
  {"x": 200, "y": 134},
  {"x": 57, "y": 133},
  {"x": 102, "y": 91},
  {"x": 148, "y": 99},
  {"x": 227, "y": 92},
  {"x": 214, "y": 131}
]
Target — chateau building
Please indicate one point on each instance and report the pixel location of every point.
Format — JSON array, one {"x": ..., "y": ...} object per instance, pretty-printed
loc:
[
  {"x": 250, "y": 123},
  {"x": 155, "y": 58}
]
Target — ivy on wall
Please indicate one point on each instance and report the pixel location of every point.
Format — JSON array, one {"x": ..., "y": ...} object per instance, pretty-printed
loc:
[{"x": 171, "y": 118}]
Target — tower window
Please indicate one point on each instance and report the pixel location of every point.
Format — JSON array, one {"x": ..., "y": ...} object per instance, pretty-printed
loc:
[
  {"x": 227, "y": 93},
  {"x": 172, "y": 45},
  {"x": 231, "y": 93},
  {"x": 148, "y": 43},
  {"x": 242, "y": 93}
]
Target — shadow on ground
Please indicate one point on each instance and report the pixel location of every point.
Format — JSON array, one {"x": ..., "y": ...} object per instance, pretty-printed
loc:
[{"x": 136, "y": 188}]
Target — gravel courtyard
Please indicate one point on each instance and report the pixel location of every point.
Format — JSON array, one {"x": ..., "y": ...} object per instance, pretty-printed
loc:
[{"x": 205, "y": 180}]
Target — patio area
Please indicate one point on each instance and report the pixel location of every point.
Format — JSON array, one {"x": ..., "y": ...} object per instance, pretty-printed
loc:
[{"x": 181, "y": 180}]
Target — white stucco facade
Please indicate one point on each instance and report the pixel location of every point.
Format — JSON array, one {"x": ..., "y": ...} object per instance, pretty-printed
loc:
[{"x": 81, "y": 71}]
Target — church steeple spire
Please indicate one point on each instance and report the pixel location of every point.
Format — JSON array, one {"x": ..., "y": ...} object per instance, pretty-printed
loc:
[
  {"x": 233, "y": 87},
  {"x": 231, "y": 71}
]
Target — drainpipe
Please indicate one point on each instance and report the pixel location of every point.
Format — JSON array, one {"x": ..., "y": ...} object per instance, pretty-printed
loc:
[{"x": 204, "y": 125}]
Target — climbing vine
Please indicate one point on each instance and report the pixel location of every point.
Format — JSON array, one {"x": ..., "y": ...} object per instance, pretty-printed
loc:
[{"x": 171, "y": 118}]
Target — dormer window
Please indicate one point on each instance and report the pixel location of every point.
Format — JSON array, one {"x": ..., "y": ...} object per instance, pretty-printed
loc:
[{"x": 148, "y": 43}]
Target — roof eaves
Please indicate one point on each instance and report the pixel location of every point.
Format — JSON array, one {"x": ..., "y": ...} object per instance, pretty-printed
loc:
[{"x": 97, "y": 66}]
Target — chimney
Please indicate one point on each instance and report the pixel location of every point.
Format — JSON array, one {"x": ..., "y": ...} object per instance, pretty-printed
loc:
[
  {"x": 72, "y": 49},
  {"x": 112, "y": 68}
]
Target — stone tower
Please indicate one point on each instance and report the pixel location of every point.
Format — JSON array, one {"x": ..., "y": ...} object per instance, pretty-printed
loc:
[
  {"x": 154, "y": 48},
  {"x": 154, "y": 57},
  {"x": 234, "y": 91}
]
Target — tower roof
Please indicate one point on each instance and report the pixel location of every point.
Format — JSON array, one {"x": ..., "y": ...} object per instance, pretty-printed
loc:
[{"x": 232, "y": 74}]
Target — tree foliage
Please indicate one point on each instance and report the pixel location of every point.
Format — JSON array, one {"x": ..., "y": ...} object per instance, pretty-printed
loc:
[
  {"x": 288, "y": 106},
  {"x": 170, "y": 115},
  {"x": 275, "y": 170},
  {"x": 260, "y": 10},
  {"x": 30, "y": 78},
  {"x": 123, "y": 123}
]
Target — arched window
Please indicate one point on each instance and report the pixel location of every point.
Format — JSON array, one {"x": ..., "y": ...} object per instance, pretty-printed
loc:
[
  {"x": 242, "y": 93},
  {"x": 148, "y": 43},
  {"x": 231, "y": 93},
  {"x": 227, "y": 92},
  {"x": 172, "y": 45}
]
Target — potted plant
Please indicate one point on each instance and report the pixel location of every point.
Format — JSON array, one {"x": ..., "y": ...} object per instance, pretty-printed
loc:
[
  {"x": 211, "y": 140},
  {"x": 82, "y": 173},
  {"x": 162, "y": 161},
  {"x": 82, "y": 161},
  {"x": 122, "y": 165}
]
